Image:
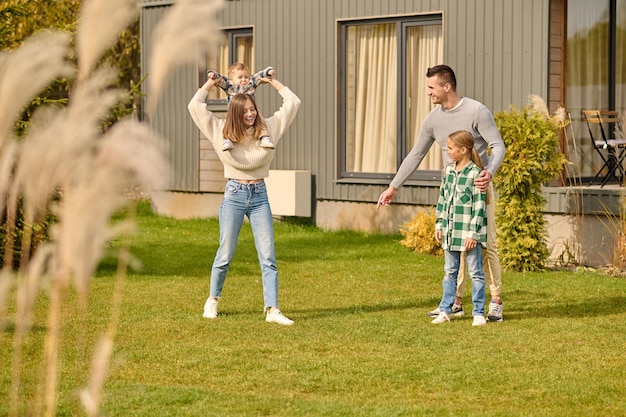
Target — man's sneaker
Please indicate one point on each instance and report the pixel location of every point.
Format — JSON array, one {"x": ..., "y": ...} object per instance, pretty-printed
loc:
[
  {"x": 457, "y": 311},
  {"x": 479, "y": 321},
  {"x": 495, "y": 312},
  {"x": 227, "y": 145},
  {"x": 441, "y": 318},
  {"x": 277, "y": 317},
  {"x": 210, "y": 308},
  {"x": 266, "y": 142}
]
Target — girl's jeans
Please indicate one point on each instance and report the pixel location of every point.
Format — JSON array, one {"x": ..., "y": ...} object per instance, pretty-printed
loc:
[
  {"x": 474, "y": 260},
  {"x": 246, "y": 200}
]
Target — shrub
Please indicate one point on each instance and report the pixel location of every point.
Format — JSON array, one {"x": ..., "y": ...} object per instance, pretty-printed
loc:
[
  {"x": 419, "y": 233},
  {"x": 532, "y": 159}
]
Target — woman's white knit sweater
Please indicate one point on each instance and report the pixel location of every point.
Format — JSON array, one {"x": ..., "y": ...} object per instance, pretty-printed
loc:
[{"x": 248, "y": 160}]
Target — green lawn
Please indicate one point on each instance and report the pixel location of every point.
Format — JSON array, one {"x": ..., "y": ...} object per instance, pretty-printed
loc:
[{"x": 361, "y": 345}]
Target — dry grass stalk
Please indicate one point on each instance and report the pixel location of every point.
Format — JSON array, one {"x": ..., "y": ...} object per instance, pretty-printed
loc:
[{"x": 66, "y": 154}]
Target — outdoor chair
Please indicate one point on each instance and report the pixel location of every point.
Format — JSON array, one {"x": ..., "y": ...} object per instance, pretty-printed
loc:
[{"x": 601, "y": 125}]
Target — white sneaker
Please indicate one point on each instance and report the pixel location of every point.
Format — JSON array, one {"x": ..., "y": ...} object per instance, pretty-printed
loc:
[
  {"x": 277, "y": 317},
  {"x": 457, "y": 311},
  {"x": 495, "y": 312},
  {"x": 227, "y": 145},
  {"x": 441, "y": 318},
  {"x": 266, "y": 142},
  {"x": 479, "y": 321},
  {"x": 210, "y": 308}
]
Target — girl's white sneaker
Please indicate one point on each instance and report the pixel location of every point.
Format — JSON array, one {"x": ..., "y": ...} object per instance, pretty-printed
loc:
[
  {"x": 441, "y": 318},
  {"x": 277, "y": 317},
  {"x": 210, "y": 308},
  {"x": 479, "y": 321}
]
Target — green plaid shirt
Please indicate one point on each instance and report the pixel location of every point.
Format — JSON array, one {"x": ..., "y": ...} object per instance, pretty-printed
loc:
[{"x": 461, "y": 208}]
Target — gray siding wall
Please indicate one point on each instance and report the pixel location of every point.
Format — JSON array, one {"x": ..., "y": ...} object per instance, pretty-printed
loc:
[
  {"x": 499, "y": 49},
  {"x": 172, "y": 119}
]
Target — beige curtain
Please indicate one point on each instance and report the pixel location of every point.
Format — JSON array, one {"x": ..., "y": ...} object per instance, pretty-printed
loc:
[
  {"x": 220, "y": 64},
  {"x": 244, "y": 52},
  {"x": 372, "y": 94},
  {"x": 424, "y": 50},
  {"x": 375, "y": 106}
]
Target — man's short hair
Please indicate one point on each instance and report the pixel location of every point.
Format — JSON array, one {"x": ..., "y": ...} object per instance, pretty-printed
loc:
[{"x": 445, "y": 73}]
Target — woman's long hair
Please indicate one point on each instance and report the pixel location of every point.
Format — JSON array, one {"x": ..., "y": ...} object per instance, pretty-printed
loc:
[
  {"x": 235, "y": 129},
  {"x": 464, "y": 139}
]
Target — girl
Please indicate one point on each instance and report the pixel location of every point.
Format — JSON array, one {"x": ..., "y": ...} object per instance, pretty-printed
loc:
[{"x": 461, "y": 224}]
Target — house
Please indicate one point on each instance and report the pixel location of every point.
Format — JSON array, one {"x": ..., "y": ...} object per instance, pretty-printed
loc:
[{"x": 359, "y": 68}]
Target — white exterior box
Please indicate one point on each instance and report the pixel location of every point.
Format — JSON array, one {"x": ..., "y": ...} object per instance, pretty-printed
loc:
[{"x": 289, "y": 192}]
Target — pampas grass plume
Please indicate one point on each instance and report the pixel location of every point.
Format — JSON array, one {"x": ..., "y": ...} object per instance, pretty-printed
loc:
[
  {"x": 43, "y": 167},
  {"x": 184, "y": 36},
  {"x": 66, "y": 163},
  {"x": 538, "y": 104},
  {"x": 100, "y": 23},
  {"x": 560, "y": 116},
  {"x": 26, "y": 71}
]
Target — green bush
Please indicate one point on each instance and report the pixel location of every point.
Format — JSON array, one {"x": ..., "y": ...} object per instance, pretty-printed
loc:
[
  {"x": 419, "y": 233},
  {"x": 532, "y": 159}
]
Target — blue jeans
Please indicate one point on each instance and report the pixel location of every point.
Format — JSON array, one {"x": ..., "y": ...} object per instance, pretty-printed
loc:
[
  {"x": 246, "y": 200},
  {"x": 474, "y": 260}
]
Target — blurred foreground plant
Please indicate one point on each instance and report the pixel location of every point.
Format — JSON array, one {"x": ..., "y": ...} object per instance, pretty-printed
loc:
[{"x": 68, "y": 164}]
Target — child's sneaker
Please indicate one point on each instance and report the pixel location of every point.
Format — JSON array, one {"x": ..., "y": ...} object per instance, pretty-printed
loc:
[
  {"x": 267, "y": 142},
  {"x": 210, "y": 308},
  {"x": 495, "y": 312},
  {"x": 277, "y": 317},
  {"x": 441, "y": 318},
  {"x": 266, "y": 73},
  {"x": 227, "y": 145},
  {"x": 479, "y": 321},
  {"x": 457, "y": 311}
]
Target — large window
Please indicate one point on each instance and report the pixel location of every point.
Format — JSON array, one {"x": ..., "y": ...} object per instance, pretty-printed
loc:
[
  {"x": 383, "y": 98},
  {"x": 235, "y": 46},
  {"x": 596, "y": 70}
]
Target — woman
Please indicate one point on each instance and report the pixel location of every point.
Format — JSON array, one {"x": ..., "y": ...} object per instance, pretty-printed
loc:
[{"x": 245, "y": 166}]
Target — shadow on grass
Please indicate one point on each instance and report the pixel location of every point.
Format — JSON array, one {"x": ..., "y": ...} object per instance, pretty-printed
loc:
[
  {"x": 317, "y": 313},
  {"x": 8, "y": 327},
  {"x": 563, "y": 307}
]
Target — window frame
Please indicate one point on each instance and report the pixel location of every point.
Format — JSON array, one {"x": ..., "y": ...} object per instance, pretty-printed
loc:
[
  {"x": 232, "y": 35},
  {"x": 402, "y": 24}
]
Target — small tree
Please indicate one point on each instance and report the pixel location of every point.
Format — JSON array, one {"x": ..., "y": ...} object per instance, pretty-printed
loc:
[{"x": 532, "y": 159}]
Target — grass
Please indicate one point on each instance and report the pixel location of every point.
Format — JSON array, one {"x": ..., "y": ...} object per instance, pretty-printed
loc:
[{"x": 361, "y": 345}]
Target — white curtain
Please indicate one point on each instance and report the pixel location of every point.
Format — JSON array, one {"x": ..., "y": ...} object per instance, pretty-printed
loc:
[{"x": 372, "y": 94}]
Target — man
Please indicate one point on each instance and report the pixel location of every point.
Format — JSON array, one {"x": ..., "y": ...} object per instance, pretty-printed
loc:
[{"x": 459, "y": 113}]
